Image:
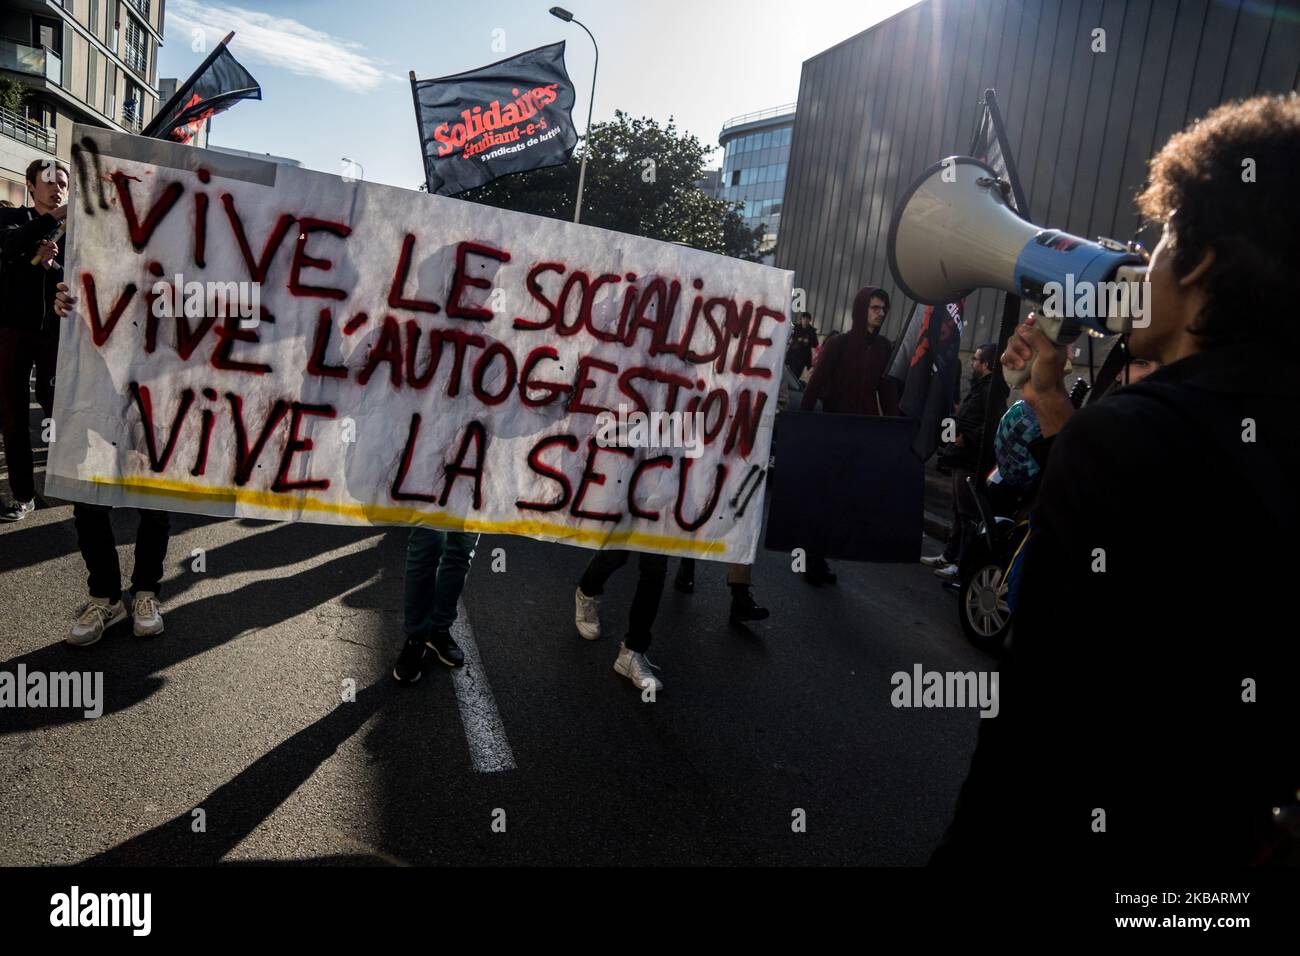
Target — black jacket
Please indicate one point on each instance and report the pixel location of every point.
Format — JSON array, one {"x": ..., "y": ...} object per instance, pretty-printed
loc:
[
  {"x": 802, "y": 343},
  {"x": 26, "y": 290},
  {"x": 1157, "y": 585},
  {"x": 970, "y": 426}
]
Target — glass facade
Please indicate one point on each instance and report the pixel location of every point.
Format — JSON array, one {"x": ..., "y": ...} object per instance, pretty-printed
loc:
[{"x": 753, "y": 173}]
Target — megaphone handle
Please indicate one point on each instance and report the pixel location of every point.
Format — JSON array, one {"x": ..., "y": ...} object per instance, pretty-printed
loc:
[{"x": 1051, "y": 327}]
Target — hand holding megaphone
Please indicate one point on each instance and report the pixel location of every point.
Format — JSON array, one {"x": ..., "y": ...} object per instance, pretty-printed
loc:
[
  {"x": 953, "y": 232},
  {"x": 1035, "y": 361}
]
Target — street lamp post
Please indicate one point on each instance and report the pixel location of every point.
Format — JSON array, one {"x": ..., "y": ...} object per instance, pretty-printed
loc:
[
  {"x": 353, "y": 162},
  {"x": 568, "y": 17}
]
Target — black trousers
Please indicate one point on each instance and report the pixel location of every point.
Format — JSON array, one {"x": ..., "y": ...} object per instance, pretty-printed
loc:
[
  {"x": 20, "y": 351},
  {"x": 964, "y": 515},
  {"x": 653, "y": 568},
  {"x": 99, "y": 549}
]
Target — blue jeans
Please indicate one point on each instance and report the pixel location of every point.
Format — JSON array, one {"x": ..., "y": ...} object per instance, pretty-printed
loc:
[{"x": 436, "y": 565}]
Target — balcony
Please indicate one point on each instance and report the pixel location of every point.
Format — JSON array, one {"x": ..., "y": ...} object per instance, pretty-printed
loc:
[
  {"x": 19, "y": 127},
  {"x": 786, "y": 110},
  {"x": 132, "y": 119},
  {"x": 31, "y": 60}
]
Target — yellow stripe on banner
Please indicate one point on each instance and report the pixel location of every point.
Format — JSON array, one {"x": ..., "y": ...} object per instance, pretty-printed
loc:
[{"x": 388, "y": 514}]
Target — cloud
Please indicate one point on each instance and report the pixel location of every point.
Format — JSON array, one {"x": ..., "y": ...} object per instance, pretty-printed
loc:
[{"x": 276, "y": 41}]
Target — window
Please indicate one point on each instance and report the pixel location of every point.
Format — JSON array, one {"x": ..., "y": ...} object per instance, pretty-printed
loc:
[
  {"x": 94, "y": 17},
  {"x": 135, "y": 54},
  {"x": 735, "y": 177},
  {"x": 92, "y": 64}
]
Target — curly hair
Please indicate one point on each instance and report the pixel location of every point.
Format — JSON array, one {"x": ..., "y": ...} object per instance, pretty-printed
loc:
[{"x": 1228, "y": 183}]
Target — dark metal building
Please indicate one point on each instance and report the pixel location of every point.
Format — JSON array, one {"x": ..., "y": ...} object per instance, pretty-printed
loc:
[{"x": 875, "y": 110}]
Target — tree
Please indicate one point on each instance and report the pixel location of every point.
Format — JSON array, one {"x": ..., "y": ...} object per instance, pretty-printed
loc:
[
  {"x": 12, "y": 94},
  {"x": 640, "y": 180}
]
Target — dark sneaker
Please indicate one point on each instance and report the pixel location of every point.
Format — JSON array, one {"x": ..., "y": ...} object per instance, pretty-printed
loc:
[
  {"x": 409, "y": 669},
  {"x": 745, "y": 608},
  {"x": 684, "y": 580},
  {"x": 448, "y": 652},
  {"x": 17, "y": 510},
  {"x": 819, "y": 573}
]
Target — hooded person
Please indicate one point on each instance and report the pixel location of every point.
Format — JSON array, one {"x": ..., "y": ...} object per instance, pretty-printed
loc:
[{"x": 849, "y": 377}]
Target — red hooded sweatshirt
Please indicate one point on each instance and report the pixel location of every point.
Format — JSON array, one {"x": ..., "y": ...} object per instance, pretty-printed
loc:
[{"x": 849, "y": 377}]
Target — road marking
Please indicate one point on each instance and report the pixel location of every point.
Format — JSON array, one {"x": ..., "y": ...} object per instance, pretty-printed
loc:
[{"x": 488, "y": 748}]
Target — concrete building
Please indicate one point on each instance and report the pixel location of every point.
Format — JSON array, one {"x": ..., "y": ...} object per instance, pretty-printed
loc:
[
  {"x": 877, "y": 109},
  {"x": 711, "y": 183},
  {"x": 81, "y": 61},
  {"x": 247, "y": 154},
  {"x": 756, "y": 152}
]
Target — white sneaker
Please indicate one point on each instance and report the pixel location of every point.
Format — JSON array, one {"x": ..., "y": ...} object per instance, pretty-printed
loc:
[
  {"x": 17, "y": 510},
  {"x": 948, "y": 573},
  {"x": 96, "y": 618},
  {"x": 586, "y": 615},
  {"x": 636, "y": 667},
  {"x": 146, "y": 617},
  {"x": 936, "y": 561}
]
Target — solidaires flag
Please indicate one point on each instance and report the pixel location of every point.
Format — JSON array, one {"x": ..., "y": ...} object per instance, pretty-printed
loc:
[{"x": 508, "y": 117}]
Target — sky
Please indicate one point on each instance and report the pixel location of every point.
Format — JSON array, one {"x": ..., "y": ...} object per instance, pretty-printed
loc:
[{"x": 334, "y": 72}]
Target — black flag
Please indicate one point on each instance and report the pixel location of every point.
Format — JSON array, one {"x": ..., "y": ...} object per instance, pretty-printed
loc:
[
  {"x": 927, "y": 366},
  {"x": 509, "y": 117},
  {"x": 217, "y": 85}
]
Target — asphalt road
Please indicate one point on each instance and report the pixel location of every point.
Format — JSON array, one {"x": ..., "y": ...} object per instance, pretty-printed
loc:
[{"x": 237, "y": 711}]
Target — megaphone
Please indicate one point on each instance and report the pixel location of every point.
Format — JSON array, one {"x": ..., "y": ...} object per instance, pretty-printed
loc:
[{"x": 954, "y": 231}]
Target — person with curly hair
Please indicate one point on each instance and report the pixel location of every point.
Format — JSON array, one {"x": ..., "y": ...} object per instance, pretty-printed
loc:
[{"x": 1150, "y": 690}]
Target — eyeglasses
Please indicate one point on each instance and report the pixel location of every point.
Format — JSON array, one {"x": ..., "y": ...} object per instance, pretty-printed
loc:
[{"x": 879, "y": 308}]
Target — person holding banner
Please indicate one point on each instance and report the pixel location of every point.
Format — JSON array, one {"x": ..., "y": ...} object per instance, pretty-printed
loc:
[
  {"x": 29, "y": 335},
  {"x": 849, "y": 378},
  {"x": 437, "y": 563},
  {"x": 652, "y": 569},
  {"x": 739, "y": 576},
  {"x": 99, "y": 550}
]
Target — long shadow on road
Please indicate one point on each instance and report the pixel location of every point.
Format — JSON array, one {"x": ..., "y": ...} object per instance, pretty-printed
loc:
[
  {"x": 132, "y": 666},
  {"x": 235, "y": 809}
]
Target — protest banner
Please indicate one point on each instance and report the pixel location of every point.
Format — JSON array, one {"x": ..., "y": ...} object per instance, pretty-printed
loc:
[{"x": 273, "y": 342}]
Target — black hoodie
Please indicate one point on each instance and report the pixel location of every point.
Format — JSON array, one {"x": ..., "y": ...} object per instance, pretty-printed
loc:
[{"x": 849, "y": 377}]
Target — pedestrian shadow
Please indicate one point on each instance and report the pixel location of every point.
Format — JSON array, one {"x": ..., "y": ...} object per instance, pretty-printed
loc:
[
  {"x": 132, "y": 666},
  {"x": 28, "y": 544},
  {"x": 235, "y": 809},
  {"x": 290, "y": 543}
]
